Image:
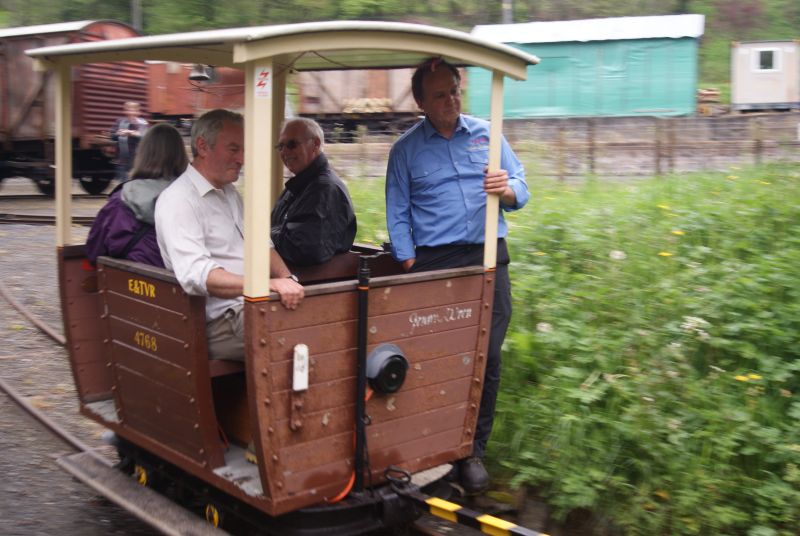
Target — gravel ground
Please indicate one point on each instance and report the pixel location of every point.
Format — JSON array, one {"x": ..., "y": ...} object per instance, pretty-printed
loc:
[{"x": 38, "y": 497}]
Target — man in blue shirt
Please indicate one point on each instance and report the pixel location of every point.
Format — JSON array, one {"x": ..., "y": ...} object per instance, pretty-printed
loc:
[{"x": 436, "y": 186}]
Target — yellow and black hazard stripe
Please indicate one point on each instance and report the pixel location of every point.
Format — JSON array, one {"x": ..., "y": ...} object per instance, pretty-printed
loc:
[{"x": 485, "y": 523}]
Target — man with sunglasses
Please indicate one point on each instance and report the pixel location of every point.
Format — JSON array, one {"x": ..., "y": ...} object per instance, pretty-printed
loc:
[
  {"x": 313, "y": 219},
  {"x": 436, "y": 186}
]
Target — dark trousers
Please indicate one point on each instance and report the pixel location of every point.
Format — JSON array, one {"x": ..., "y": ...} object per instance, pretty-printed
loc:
[{"x": 457, "y": 256}]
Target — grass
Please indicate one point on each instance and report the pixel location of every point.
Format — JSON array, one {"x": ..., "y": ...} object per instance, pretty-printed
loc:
[{"x": 651, "y": 371}]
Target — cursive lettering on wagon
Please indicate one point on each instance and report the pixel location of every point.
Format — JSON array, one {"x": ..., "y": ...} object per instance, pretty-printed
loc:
[
  {"x": 448, "y": 314},
  {"x": 142, "y": 288}
]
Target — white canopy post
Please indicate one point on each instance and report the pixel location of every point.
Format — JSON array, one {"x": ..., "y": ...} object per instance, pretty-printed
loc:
[
  {"x": 259, "y": 139},
  {"x": 493, "y": 201},
  {"x": 63, "y": 175},
  {"x": 278, "y": 114}
]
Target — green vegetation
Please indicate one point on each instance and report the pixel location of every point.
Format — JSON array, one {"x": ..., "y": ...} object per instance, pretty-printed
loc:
[
  {"x": 726, "y": 20},
  {"x": 652, "y": 370}
]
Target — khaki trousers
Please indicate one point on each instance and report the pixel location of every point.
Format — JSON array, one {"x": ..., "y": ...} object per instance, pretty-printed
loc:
[{"x": 226, "y": 335}]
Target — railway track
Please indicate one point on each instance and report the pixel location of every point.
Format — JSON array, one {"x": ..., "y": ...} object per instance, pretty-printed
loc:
[
  {"x": 43, "y": 197},
  {"x": 41, "y": 219}
]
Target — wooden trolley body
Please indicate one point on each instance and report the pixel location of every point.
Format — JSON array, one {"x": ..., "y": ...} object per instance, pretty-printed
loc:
[{"x": 137, "y": 341}]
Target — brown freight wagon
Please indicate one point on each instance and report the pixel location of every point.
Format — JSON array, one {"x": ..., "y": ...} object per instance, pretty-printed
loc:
[
  {"x": 27, "y": 97},
  {"x": 137, "y": 341}
]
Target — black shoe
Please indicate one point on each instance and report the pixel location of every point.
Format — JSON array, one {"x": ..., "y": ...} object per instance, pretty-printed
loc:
[{"x": 474, "y": 477}]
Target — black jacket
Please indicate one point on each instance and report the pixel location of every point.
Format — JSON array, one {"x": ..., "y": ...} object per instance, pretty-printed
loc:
[{"x": 313, "y": 219}]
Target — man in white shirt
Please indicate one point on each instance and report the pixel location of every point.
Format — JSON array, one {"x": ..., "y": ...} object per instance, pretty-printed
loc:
[{"x": 199, "y": 226}]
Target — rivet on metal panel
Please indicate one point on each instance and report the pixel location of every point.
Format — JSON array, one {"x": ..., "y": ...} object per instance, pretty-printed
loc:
[
  {"x": 188, "y": 373},
  {"x": 196, "y": 426},
  {"x": 489, "y": 280},
  {"x": 281, "y": 341},
  {"x": 483, "y": 331},
  {"x": 266, "y": 402},
  {"x": 191, "y": 400},
  {"x": 485, "y": 305},
  {"x": 280, "y": 485},
  {"x": 201, "y": 452},
  {"x": 105, "y": 341},
  {"x": 297, "y": 424},
  {"x": 473, "y": 406},
  {"x": 113, "y": 387},
  {"x": 298, "y": 404},
  {"x": 263, "y": 342},
  {"x": 77, "y": 346},
  {"x": 270, "y": 430},
  {"x": 108, "y": 364},
  {"x": 476, "y": 380},
  {"x": 264, "y": 372},
  {"x": 104, "y": 315},
  {"x": 480, "y": 356},
  {"x": 275, "y": 458},
  {"x": 262, "y": 310},
  {"x": 449, "y": 284},
  {"x": 184, "y": 318},
  {"x": 468, "y": 432},
  {"x": 186, "y": 346},
  {"x": 274, "y": 308},
  {"x": 373, "y": 330}
]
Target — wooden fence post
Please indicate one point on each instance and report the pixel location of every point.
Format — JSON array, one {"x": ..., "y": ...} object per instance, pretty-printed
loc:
[
  {"x": 562, "y": 152},
  {"x": 591, "y": 145},
  {"x": 758, "y": 145},
  {"x": 657, "y": 146}
]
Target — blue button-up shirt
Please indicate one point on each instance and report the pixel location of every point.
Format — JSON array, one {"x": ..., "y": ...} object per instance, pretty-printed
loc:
[{"x": 434, "y": 186}]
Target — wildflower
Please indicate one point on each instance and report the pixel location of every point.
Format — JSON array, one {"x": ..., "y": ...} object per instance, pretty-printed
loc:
[
  {"x": 544, "y": 327},
  {"x": 664, "y": 254},
  {"x": 661, "y": 494},
  {"x": 549, "y": 198},
  {"x": 732, "y": 177},
  {"x": 786, "y": 393},
  {"x": 741, "y": 378},
  {"x": 381, "y": 235},
  {"x": 764, "y": 182},
  {"x": 648, "y": 399},
  {"x": 678, "y": 232},
  {"x": 618, "y": 255},
  {"x": 716, "y": 368},
  {"x": 539, "y": 253},
  {"x": 662, "y": 206},
  {"x": 754, "y": 376}
]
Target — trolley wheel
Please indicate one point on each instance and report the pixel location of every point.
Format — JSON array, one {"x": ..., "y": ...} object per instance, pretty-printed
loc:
[
  {"x": 214, "y": 514},
  {"x": 94, "y": 185}
]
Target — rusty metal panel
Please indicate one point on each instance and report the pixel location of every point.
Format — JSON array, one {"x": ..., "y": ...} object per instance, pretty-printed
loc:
[
  {"x": 161, "y": 297},
  {"x": 171, "y": 93},
  {"x": 27, "y": 99}
]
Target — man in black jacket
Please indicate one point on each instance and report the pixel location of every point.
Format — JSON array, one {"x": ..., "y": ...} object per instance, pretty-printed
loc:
[{"x": 313, "y": 218}]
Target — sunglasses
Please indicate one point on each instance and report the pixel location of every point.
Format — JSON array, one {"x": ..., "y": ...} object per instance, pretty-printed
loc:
[{"x": 291, "y": 145}]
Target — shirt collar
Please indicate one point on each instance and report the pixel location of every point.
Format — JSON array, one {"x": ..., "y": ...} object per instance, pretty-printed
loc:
[
  {"x": 429, "y": 129},
  {"x": 299, "y": 182},
  {"x": 199, "y": 182}
]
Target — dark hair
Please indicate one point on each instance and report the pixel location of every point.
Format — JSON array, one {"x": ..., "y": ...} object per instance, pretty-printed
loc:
[
  {"x": 208, "y": 125},
  {"x": 161, "y": 154},
  {"x": 427, "y": 67}
]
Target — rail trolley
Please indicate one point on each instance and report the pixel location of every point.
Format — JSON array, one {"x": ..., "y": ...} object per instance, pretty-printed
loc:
[{"x": 137, "y": 342}]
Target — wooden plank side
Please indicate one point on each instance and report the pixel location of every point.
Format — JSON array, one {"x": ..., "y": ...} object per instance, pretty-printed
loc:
[
  {"x": 383, "y": 328},
  {"x": 148, "y": 314},
  {"x": 167, "y": 416},
  {"x": 379, "y": 437},
  {"x": 424, "y": 294},
  {"x": 421, "y": 352},
  {"x": 341, "y": 306},
  {"x": 410, "y": 456},
  {"x": 157, "y": 344},
  {"x": 147, "y": 289},
  {"x": 136, "y": 360},
  {"x": 334, "y": 395}
]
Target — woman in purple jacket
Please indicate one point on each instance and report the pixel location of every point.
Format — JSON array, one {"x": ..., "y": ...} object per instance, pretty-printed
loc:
[{"x": 124, "y": 227}]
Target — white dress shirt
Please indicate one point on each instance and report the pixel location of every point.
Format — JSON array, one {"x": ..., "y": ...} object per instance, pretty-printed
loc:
[{"x": 200, "y": 228}]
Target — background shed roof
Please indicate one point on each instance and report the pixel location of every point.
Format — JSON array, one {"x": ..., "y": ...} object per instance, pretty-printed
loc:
[{"x": 673, "y": 26}]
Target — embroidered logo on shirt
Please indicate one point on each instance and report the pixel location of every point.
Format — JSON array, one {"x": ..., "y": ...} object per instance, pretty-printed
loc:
[{"x": 480, "y": 143}]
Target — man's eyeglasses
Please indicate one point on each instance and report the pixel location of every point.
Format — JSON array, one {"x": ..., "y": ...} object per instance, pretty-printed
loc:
[{"x": 291, "y": 145}]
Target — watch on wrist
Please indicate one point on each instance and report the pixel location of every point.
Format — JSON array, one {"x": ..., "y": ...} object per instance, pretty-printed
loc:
[{"x": 293, "y": 278}]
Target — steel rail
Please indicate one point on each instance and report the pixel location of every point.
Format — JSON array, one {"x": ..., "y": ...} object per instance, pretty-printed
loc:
[
  {"x": 24, "y": 311},
  {"x": 40, "y": 219}
]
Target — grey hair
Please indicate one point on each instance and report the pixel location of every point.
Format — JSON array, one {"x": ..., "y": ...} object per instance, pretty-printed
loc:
[
  {"x": 312, "y": 128},
  {"x": 208, "y": 125}
]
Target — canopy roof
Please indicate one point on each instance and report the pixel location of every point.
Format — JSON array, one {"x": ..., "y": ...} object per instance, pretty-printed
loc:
[{"x": 306, "y": 46}]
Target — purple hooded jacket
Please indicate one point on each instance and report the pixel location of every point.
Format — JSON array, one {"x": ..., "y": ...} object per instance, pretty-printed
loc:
[{"x": 116, "y": 224}]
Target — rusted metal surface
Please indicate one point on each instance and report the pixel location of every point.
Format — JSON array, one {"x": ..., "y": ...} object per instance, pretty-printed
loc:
[{"x": 26, "y": 111}]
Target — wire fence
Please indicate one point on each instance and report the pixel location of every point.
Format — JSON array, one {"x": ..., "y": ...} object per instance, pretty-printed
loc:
[{"x": 572, "y": 148}]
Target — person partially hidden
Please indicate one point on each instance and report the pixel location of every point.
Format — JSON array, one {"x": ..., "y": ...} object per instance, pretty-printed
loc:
[{"x": 313, "y": 219}]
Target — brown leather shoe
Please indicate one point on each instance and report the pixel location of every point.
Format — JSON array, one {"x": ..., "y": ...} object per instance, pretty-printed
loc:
[{"x": 474, "y": 477}]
